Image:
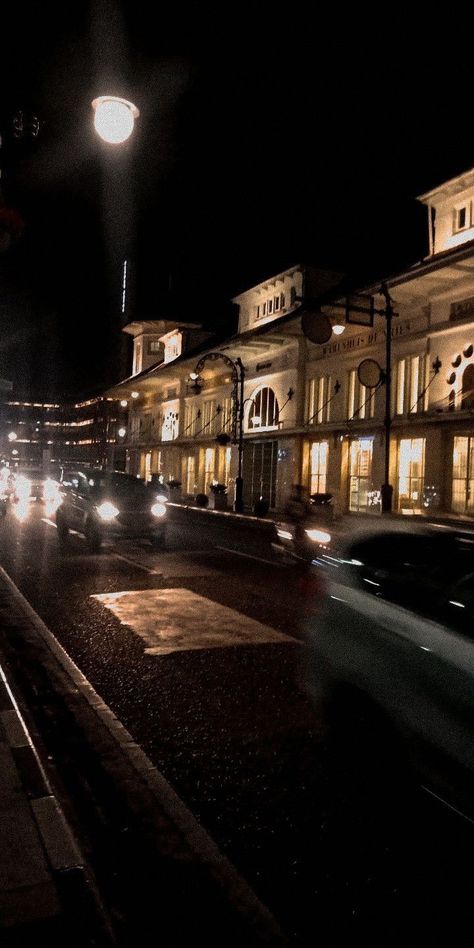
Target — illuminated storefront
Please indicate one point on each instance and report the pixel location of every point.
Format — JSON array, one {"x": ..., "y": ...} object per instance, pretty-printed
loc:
[
  {"x": 411, "y": 473},
  {"x": 463, "y": 475},
  {"x": 318, "y": 467},
  {"x": 360, "y": 474}
]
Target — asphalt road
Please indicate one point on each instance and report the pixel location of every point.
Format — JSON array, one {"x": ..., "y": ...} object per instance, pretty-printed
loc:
[{"x": 222, "y": 713}]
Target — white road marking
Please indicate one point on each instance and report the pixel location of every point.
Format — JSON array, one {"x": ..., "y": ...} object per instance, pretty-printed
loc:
[
  {"x": 128, "y": 559},
  {"x": 248, "y": 556},
  {"x": 178, "y": 620}
]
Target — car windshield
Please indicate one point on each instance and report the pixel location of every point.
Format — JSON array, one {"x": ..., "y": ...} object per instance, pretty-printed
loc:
[{"x": 116, "y": 484}]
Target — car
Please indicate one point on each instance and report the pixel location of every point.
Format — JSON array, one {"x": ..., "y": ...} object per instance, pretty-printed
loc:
[
  {"x": 389, "y": 661},
  {"x": 100, "y": 504},
  {"x": 33, "y": 484}
]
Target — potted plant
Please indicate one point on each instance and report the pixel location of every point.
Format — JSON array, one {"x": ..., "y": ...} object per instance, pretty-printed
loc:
[{"x": 219, "y": 496}]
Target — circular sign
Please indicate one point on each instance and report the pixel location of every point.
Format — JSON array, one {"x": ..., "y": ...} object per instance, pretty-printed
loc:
[
  {"x": 316, "y": 327},
  {"x": 369, "y": 373}
]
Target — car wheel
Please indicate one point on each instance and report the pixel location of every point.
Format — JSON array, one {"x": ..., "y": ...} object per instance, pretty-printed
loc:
[
  {"x": 62, "y": 528},
  {"x": 93, "y": 536}
]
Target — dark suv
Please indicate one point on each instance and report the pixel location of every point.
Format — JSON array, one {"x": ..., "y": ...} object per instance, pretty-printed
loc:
[{"x": 102, "y": 504}]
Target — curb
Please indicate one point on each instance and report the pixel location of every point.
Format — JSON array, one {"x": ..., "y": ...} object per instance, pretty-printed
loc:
[{"x": 76, "y": 902}]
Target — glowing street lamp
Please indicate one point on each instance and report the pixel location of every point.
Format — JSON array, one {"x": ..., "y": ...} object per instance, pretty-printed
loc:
[
  {"x": 114, "y": 118},
  {"x": 12, "y": 436}
]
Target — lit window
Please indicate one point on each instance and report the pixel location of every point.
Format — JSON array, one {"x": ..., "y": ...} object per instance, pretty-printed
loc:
[
  {"x": 172, "y": 347},
  {"x": 360, "y": 400},
  {"x": 210, "y": 463},
  {"x": 400, "y": 407},
  {"x": 319, "y": 400},
  {"x": 461, "y": 217},
  {"x": 319, "y": 464},
  {"x": 264, "y": 410},
  {"x": 411, "y": 464}
]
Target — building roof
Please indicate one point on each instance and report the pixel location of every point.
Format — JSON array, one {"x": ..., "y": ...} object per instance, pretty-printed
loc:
[
  {"x": 157, "y": 326},
  {"x": 448, "y": 188}
]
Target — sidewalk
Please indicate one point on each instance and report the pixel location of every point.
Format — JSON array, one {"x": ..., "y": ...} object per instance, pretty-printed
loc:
[{"x": 44, "y": 890}]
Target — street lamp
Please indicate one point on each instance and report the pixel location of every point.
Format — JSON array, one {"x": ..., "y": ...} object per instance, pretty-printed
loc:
[
  {"x": 114, "y": 118},
  {"x": 238, "y": 375}
]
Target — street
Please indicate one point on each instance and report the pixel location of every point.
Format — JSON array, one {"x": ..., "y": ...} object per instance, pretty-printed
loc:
[{"x": 199, "y": 651}]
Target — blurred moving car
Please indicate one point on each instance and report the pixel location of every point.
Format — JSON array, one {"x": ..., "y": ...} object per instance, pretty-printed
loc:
[
  {"x": 390, "y": 658},
  {"x": 102, "y": 504}
]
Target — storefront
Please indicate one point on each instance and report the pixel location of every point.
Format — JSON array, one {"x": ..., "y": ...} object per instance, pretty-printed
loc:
[
  {"x": 411, "y": 474},
  {"x": 463, "y": 475},
  {"x": 360, "y": 475}
]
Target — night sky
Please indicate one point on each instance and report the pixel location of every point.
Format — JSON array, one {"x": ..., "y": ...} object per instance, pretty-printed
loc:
[{"x": 256, "y": 148}]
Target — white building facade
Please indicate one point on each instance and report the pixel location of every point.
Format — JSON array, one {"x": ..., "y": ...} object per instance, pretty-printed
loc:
[{"x": 306, "y": 416}]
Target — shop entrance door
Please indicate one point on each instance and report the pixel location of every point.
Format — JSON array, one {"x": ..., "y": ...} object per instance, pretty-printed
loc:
[{"x": 259, "y": 472}]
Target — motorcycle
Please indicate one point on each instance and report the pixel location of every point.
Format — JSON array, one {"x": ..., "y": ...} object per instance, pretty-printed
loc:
[{"x": 306, "y": 538}]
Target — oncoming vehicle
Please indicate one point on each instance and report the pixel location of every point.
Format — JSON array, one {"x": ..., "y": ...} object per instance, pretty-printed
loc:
[
  {"x": 102, "y": 504},
  {"x": 304, "y": 532},
  {"x": 390, "y": 657}
]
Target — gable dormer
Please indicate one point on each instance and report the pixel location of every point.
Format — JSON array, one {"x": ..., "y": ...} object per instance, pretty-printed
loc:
[
  {"x": 162, "y": 340},
  {"x": 451, "y": 213},
  {"x": 270, "y": 300}
]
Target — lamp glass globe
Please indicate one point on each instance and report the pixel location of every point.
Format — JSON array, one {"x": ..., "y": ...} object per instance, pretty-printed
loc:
[{"x": 114, "y": 118}]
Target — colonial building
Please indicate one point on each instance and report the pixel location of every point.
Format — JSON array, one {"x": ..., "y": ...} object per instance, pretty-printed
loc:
[{"x": 296, "y": 410}]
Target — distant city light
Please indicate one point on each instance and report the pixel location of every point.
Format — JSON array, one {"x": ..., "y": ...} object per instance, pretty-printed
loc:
[
  {"x": 12, "y": 436},
  {"x": 338, "y": 329},
  {"x": 114, "y": 118},
  {"x": 135, "y": 394},
  {"x": 122, "y": 432},
  {"x": 124, "y": 286},
  {"x": 123, "y": 403}
]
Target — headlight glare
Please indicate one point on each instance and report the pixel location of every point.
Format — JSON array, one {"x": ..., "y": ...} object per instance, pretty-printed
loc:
[
  {"x": 318, "y": 536},
  {"x": 107, "y": 511},
  {"x": 158, "y": 510}
]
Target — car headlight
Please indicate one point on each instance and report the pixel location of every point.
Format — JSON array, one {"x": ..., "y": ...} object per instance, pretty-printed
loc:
[
  {"x": 158, "y": 510},
  {"x": 107, "y": 511},
  {"x": 50, "y": 489},
  {"x": 23, "y": 488},
  {"x": 318, "y": 536}
]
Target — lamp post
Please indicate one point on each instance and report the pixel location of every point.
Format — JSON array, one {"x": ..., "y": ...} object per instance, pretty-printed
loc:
[{"x": 238, "y": 376}]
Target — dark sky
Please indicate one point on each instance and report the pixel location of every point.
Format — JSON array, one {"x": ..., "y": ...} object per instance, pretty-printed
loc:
[{"x": 256, "y": 148}]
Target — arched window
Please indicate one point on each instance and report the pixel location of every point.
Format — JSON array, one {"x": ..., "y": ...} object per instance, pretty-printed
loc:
[
  {"x": 264, "y": 411},
  {"x": 468, "y": 387}
]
